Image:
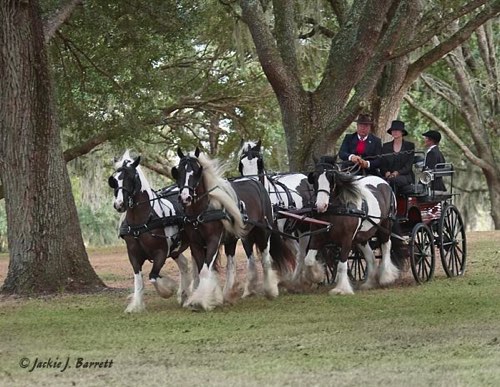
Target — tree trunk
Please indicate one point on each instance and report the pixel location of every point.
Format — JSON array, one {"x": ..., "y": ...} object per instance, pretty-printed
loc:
[
  {"x": 45, "y": 242},
  {"x": 493, "y": 181}
]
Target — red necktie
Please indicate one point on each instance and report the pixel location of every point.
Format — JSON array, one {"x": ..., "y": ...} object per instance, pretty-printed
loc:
[{"x": 360, "y": 147}]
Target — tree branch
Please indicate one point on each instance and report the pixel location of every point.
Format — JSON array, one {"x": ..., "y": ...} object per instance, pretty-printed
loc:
[
  {"x": 59, "y": 18},
  {"x": 88, "y": 145},
  {"x": 452, "y": 42},
  {"x": 438, "y": 25},
  {"x": 340, "y": 9},
  {"x": 446, "y": 129},
  {"x": 439, "y": 87},
  {"x": 286, "y": 34},
  {"x": 269, "y": 56}
]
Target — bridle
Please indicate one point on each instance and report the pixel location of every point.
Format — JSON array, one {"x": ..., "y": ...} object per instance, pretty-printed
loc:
[
  {"x": 136, "y": 185},
  {"x": 333, "y": 183},
  {"x": 192, "y": 189}
]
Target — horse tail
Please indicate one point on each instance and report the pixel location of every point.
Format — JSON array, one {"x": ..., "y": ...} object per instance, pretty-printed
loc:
[
  {"x": 283, "y": 257},
  {"x": 399, "y": 249}
]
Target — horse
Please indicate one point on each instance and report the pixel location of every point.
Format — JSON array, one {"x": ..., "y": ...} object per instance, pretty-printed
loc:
[
  {"x": 288, "y": 191},
  {"x": 151, "y": 230},
  {"x": 353, "y": 210},
  {"x": 221, "y": 212}
]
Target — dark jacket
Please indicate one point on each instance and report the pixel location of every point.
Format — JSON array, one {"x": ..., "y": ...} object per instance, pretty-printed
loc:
[
  {"x": 372, "y": 150},
  {"x": 433, "y": 157},
  {"x": 402, "y": 162}
]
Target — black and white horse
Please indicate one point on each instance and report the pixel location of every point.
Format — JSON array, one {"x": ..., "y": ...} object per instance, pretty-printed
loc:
[
  {"x": 356, "y": 209},
  {"x": 287, "y": 191},
  {"x": 151, "y": 231},
  {"x": 221, "y": 212}
]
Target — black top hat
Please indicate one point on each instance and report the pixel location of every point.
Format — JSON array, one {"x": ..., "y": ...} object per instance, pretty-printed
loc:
[
  {"x": 433, "y": 135},
  {"x": 364, "y": 119},
  {"x": 397, "y": 125}
]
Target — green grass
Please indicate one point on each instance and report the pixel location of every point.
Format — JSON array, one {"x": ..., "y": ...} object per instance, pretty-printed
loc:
[{"x": 444, "y": 333}]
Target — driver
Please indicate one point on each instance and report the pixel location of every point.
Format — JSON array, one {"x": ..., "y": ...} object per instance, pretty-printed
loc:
[{"x": 362, "y": 148}]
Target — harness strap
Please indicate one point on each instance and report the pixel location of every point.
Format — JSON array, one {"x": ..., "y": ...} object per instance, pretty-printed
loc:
[
  {"x": 207, "y": 216},
  {"x": 153, "y": 223},
  {"x": 286, "y": 190}
]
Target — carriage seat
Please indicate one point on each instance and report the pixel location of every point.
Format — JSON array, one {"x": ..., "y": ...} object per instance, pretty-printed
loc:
[{"x": 442, "y": 169}]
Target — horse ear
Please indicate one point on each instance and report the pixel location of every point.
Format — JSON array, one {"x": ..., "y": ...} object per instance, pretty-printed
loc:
[
  {"x": 310, "y": 177},
  {"x": 259, "y": 143},
  {"x": 112, "y": 182},
  {"x": 197, "y": 152},
  {"x": 136, "y": 162},
  {"x": 175, "y": 173},
  {"x": 179, "y": 153}
]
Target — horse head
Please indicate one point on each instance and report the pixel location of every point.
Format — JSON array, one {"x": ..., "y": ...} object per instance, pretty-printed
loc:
[
  {"x": 188, "y": 175},
  {"x": 126, "y": 182},
  {"x": 251, "y": 160},
  {"x": 329, "y": 183}
]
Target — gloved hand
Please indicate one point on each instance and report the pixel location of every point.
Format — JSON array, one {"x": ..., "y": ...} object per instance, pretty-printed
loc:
[
  {"x": 355, "y": 159},
  {"x": 363, "y": 163}
]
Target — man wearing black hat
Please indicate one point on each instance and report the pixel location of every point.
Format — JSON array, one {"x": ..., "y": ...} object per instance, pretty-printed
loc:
[
  {"x": 433, "y": 156},
  {"x": 362, "y": 148},
  {"x": 397, "y": 158}
]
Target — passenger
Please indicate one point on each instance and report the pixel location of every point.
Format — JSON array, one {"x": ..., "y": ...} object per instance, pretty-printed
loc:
[
  {"x": 362, "y": 148},
  {"x": 433, "y": 156},
  {"x": 397, "y": 159}
]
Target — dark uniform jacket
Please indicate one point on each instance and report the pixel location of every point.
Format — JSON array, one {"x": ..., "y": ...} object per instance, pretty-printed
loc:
[
  {"x": 373, "y": 149},
  {"x": 402, "y": 162},
  {"x": 433, "y": 157}
]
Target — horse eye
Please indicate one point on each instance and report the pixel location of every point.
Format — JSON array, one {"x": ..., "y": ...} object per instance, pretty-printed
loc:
[{"x": 113, "y": 183}]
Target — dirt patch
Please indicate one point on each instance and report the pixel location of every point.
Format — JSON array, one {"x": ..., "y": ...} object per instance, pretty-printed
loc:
[{"x": 113, "y": 267}]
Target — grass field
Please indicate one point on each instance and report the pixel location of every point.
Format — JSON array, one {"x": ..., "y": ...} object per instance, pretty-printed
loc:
[{"x": 444, "y": 333}]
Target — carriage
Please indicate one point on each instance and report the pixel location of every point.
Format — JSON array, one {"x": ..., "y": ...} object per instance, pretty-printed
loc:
[
  {"x": 430, "y": 225},
  {"x": 344, "y": 238}
]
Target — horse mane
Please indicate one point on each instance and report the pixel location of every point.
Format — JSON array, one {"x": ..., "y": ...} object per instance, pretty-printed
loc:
[
  {"x": 145, "y": 186},
  {"x": 222, "y": 193},
  {"x": 247, "y": 145},
  {"x": 347, "y": 189}
]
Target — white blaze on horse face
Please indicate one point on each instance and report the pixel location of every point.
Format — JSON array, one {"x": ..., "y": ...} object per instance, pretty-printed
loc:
[
  {"x": 185, "y": 192},
  {"x": 323, "y": 198},
  {"x": 118, "y": 202}
]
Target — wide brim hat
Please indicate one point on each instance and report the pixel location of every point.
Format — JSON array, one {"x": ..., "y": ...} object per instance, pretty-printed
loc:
[
  {"x": 397, "y": 125},
  {"x": 364, "y": 119},
  {"x": 433, "y": 135}
]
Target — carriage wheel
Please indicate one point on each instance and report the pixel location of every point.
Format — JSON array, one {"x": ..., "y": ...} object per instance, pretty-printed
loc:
[
  {"x": 329, "y": 256},
  {"x": 452, "y": 243},
  {"x": 356, "y": 266},
  {"x": 422, "y": 254},
  {"x": 331, "y": 272}
]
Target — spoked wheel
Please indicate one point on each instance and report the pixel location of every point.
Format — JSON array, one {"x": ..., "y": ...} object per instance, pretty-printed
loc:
[
  {"x": 330, "y": 255},
  {"x": 356, "y": 266},
  {"x": 422, "y": 254},
  {"x": 452, "y": 243}
]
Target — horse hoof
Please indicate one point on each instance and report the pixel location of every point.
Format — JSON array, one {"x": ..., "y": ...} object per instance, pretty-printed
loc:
[
  {"x": 366, "y": 286},
  {"x": 182, "y": 298},
  {"x": 271, "y": 293},
  {"x": 249, "y": 293},
  {"x": 193, "y": 306},
  {"x": 340, "y": 292},
  {"x": 135, "y": 309}
]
